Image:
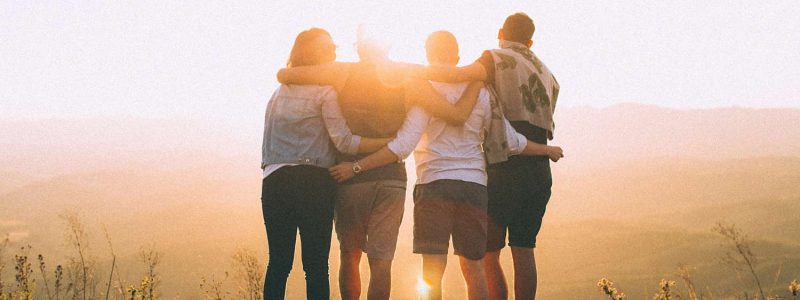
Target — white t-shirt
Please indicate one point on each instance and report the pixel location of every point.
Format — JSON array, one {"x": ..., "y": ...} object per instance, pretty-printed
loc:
[{"x": 444, "y": 151}]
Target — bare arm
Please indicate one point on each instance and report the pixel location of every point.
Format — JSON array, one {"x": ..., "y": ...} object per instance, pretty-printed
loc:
[
  {"x": 472, "y": 72},
  {"x": 344, "y": 171},
  {"x": 519, "y": 145},
  {"x": 399, "y": 148},
  {"x": 420, "y": 92},
  {"x": 333, "y": 74},
  {"x": 534, "y": 149},
  {"x": 369, "y": 145}
]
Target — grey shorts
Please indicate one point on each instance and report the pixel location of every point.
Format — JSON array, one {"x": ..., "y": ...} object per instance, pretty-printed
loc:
[
  {"x": 450, "y": 207},
  {"x": 367, "y": 217}
]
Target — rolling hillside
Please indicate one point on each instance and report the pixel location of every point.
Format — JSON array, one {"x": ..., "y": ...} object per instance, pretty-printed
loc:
[{"x": 638, "y": 192}]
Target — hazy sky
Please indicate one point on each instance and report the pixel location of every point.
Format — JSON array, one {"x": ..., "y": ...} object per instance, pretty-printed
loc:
[{"x": 199, "y": 59}]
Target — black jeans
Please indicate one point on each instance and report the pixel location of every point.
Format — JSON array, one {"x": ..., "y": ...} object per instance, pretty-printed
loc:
[{"x": 298, "y": 198}]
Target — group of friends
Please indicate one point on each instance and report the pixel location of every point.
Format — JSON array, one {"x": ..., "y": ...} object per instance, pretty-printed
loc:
[{"x": 335, "y": 138}]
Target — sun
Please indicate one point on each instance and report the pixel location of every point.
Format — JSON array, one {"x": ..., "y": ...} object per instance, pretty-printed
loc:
[{"x": 422, "y": 288}]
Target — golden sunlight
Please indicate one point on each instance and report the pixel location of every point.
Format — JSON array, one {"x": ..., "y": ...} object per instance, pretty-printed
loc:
[
  {"x": 422, "y": 288},
  {"x": 147, "y": 147}
]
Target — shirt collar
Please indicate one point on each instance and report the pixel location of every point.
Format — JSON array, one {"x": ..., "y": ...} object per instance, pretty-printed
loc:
[{"x": 509, "y": 44}]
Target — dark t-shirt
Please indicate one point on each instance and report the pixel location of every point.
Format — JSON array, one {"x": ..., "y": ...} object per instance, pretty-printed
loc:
[{"x": 372, "y": 110}]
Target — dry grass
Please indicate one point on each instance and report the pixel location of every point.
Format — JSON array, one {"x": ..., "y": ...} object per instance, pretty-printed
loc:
[
  {"x": 25, "y": 283},
  {"x": 608, "y": 288},
  {"x": 739, "y": 256},
  {"x": 685, "y": 273},
  {"x": 249, "y": 272},
  {"x": 245, "y": 280},
  {"x": 742, "y": 257},
  {"x": 213, "y": 289},
  {"x": 80, "y": 270},
  {"x": 249, "y": 276},
  {"x": 42, "y": 268},
  {"x": 3, "y": 245}
]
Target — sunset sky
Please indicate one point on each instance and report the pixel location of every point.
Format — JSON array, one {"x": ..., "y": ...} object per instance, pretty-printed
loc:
[
  {"x": 148, "y": 116},
  {"x": 217, "y": 60}
]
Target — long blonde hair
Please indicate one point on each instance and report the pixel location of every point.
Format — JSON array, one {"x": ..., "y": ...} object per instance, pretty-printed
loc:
[{"x": 302, "y": 54}]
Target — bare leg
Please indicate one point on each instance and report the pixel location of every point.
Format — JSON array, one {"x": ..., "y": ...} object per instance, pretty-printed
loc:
[
  {"x": 495, "y": 279},
  {"x": 380, "y": 279},
  {"x": 349, "y": 276},
  {"x": 524, "y": 273},
  {"x": 473, "y": 273},
  {"x": 433, "y": 266}
]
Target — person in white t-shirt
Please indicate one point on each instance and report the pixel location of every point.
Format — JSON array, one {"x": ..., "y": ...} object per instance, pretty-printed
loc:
[{"x": 450, "y": 196}]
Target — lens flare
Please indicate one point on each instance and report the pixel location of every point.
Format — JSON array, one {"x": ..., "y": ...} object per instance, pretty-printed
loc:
[
  {"x": 422, "y": 288},
  {"x": 373, "y": 37}
]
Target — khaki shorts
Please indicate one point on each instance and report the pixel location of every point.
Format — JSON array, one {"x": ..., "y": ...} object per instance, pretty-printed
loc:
[{"x": 367, "y": 217}]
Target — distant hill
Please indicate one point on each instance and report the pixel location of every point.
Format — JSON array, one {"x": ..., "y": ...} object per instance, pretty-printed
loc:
[
  {"x": 626, "y": 132},
  {"x": 623, "y": 226},
  {"x": 657, "y": 187},
  {"x": 57, "y": 147},
  {"x": 13, "y": 179},
  {"x": 591, "y": 137},
  {"x": 636, "y": 255},
  {"x": 637, "y": 193}
]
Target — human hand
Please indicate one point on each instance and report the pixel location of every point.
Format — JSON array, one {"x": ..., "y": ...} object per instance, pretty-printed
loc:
[
  {"x": 342, "y": 172},
  {"x": 555, "y": 153}
]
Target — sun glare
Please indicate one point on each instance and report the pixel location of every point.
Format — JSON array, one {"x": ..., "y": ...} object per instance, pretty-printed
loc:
[{"x": 422, "y": 288}]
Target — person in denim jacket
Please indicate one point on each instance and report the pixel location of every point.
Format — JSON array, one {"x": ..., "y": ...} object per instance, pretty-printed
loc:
[{"x": 303, "y": 130}]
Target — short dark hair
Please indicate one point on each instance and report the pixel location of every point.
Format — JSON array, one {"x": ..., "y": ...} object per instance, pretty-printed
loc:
[
  {"x": 518, "y": 28},
  {"x": 441, "y": 46},
  {"x": 302, "y": 53}
]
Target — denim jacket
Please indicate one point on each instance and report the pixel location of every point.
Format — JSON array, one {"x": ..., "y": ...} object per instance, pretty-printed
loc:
[{"x": 304, "y": 125}]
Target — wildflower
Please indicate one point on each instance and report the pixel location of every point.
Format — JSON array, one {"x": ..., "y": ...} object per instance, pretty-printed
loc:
[
  {"x": 607, "y": 287},
  {"x": 794, "y": 287},
  {"x": 59, "y": 275},
  {"x": 665, "y": 293}
]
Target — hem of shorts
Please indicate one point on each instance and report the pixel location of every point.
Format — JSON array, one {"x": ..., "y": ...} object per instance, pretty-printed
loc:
[
  {"x": 432, "y": 252},
  {"x": 494, "y": 249},
  {"x": 523, "y": 246}
]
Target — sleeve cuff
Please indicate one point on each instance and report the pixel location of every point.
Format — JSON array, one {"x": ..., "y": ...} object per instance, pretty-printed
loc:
[
  {"x": 353, "y": 149},
  {"x": 395, "y": 148},
  {"x": 521, "y": 143}
]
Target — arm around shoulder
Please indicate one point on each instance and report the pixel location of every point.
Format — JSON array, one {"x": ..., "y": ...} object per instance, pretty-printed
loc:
[
  {"x": 420, "y": 92},
  {"x": 333, "y": 73},
  {"x": 399, "y": 148},
  {"x": 471, "y": 72}
]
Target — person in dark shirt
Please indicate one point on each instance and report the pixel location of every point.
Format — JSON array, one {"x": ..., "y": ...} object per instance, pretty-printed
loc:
[{"x": 520, "y": 187}]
